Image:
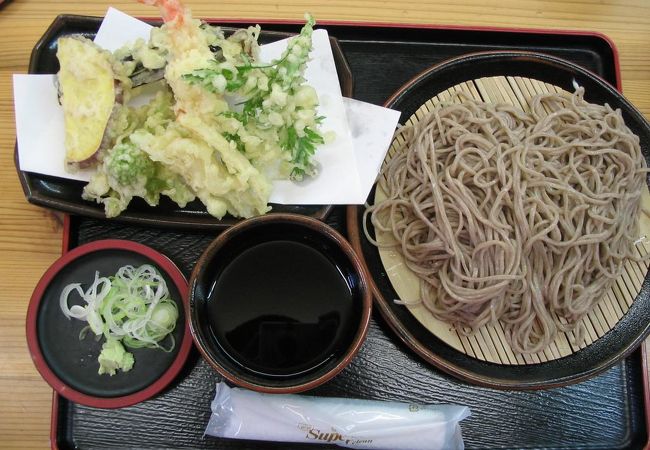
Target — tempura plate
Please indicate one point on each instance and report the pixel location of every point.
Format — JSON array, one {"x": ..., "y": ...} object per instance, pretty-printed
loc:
[{"x": 65, "y": 195}]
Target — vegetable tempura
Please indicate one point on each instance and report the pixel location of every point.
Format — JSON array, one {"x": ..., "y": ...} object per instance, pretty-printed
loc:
[{"x": 221, "y": 127}]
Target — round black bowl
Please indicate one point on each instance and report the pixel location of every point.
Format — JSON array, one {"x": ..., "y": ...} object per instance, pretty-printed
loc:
[{"x": 288, "y": 330}]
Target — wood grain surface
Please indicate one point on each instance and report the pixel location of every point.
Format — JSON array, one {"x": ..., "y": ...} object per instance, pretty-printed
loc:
[{"x": 30, "y": 237}]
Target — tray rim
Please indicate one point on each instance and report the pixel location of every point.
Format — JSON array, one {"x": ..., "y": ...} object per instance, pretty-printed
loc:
[{"x": 54, "y": 423}]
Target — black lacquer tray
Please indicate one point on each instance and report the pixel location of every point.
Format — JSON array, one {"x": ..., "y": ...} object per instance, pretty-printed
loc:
[{"x": 605, "y": 412}]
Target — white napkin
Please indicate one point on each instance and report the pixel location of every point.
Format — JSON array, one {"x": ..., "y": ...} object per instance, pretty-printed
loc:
[{"x": 348, "y": 165}]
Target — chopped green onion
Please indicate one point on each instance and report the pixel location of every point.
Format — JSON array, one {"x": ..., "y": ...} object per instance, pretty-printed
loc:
[{"x": 133, "y": 307}]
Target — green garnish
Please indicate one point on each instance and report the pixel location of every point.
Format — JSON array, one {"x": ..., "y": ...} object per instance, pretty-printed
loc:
[{"x": 302, "y": 148}]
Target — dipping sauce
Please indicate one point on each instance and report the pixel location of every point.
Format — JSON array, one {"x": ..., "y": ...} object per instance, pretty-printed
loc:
[{"x": 282, "y": 309}]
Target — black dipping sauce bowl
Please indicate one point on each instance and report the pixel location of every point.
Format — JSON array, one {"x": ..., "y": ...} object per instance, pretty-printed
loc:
[{"x": 279, "y": 303}]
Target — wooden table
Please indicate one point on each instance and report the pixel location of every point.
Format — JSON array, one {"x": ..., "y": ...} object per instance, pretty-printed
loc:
[{"x": 30, "y": 237}]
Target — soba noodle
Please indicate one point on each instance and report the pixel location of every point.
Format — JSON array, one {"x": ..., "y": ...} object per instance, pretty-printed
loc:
[{"x": 520, "y": 217}]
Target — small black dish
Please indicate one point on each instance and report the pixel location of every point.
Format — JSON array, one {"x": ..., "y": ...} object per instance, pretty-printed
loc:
[
  {"x": 606, "y": 351},
  {"x": 69, "y": 364},
  {"x": 279, "y": 303}
]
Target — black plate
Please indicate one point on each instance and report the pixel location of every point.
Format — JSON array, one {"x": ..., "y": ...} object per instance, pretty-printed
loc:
[
  {"x": 69, "y": 364},
  {"x": 65, "y": 195},
  {"x": 626, "y": 335}
]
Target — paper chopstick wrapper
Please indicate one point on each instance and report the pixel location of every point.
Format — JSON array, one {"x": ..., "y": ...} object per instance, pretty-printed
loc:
[{"x": 362, "y": 424}]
